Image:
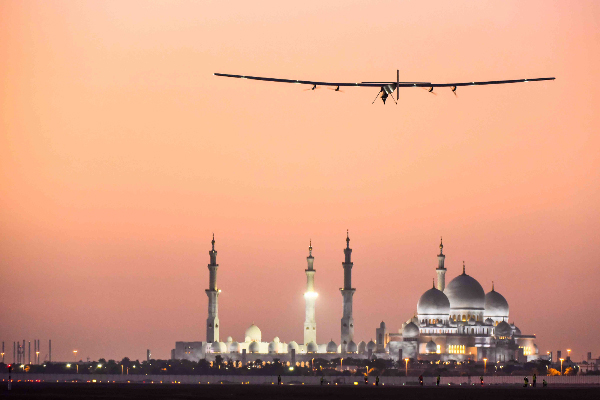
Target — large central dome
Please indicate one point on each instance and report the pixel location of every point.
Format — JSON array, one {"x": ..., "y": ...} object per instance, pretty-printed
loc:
[{"x": 464, "y": 292}]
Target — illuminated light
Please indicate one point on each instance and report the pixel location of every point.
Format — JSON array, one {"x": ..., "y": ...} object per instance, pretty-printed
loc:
[
  {"x": 99, "y": 366},
  {"x": 291, "y": 368},
  {"x": 68, "y": 365},
  {"x": 355, "y": 383},
  {"x": 311, "y": 294}
]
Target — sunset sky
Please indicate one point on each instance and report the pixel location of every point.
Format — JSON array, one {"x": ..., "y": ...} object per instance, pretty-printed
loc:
[{"x": 121, "y": 154}]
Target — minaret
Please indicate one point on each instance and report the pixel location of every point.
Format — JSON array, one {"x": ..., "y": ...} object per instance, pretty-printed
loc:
[
  {"x": 310, "y": 324},
  {"x": 347, "y": 293},
  {"x": 441, "y": 270},
  {"x": 212, "y": 322}
]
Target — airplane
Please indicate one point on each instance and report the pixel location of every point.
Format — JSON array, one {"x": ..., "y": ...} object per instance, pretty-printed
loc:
[{"x": 385, "y": 88}]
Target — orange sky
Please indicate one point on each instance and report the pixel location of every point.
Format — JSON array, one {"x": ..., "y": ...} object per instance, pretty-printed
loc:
[{"x": 120, "y": 154}]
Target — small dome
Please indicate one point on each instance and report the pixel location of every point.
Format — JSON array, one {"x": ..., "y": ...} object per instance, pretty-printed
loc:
[
  {"x": 489, "y": 321},
  {"x": 276, "y": 339},
  {"x": 218, "y": 347},
  {"x": 351, "y": 347},
  {"x": 331, "y": 347},
  {"x": 311, "y": 347},
  {"x": 382, "y": 324},
  {"x": 503, "y": 329},
  {"x": 464, "y": 292},
  {"x": 431, "y": 347},
  {"x": 273, "y": 347},
  {"x": 410, "y": 331},
  {"x": 254, "y": 347},
  {"x": 362, "y": 346},
  {"x": 371, "y": 346},
  {"x": 496, "y": 305},
  {"x": 472, "y": 321},
  {"x": 234, "y": 347},
  {"x": 516, "y": 331},
  {"x": 253, "y": 333},
  {"x": 292, "y": 345},
  {"x": 229, "y": 339},
  {"x": 433, "y": 302}
]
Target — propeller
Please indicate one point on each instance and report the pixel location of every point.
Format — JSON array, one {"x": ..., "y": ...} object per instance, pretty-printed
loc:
[
  {"x": 430, "y": 90},
  {"x": 337, "y": 89},
  {"x": 312, "y": 88}
]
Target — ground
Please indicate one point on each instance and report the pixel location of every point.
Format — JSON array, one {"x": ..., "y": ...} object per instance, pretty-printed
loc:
[{"x": 48, "y": 391}]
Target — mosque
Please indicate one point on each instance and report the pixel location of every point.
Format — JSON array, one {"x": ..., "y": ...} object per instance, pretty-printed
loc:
[{"x": 455, "y": 322}]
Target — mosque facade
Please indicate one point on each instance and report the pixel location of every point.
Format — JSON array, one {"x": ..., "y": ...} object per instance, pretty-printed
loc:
[{"x": 455, "y": 322}]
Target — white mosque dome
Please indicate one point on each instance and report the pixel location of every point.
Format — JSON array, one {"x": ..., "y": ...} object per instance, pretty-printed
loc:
[
  {"x": 229, "y": 339},
  {"x": 234, "y": 347},
  {"x": 431, "y": 347},
  {"x": 254, "y": 347},
  {"x": 292, "y": 345},
  {"x": 495, "y": 305},
  {"x": 276, "y": 339},
  {"x": 410, "y": 331},
  {"x": 362, "y": 346},
  {"x": 503, "y": 329},
  {"x": 273, "y": 347},
  {"x": 489, "y": 321},
  {"x": 331, "y": 347},
  {"x": 311, "y": 347},
  {"x": 218, "y": 347},
  {"x": 472, "y": 321},
  {"x": 253, "y": 333},
  {"x": 371, "y": 346},
  {"x": 433, "y": 302},
  {"x": 464, "y": 292},
  {"x": 351, "y": 347}
]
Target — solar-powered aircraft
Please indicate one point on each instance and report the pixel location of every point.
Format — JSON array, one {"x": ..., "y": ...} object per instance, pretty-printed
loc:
[{"x": 385, "y": 88}]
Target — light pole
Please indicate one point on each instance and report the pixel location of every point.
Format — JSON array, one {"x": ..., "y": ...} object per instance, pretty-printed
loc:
[
  {"x": 406, "y": 362},
  {"x": 75, "y": 355},
  {"x": 484, "y": 365},
  {"x": 561, "y": 361},
  {"x": 37, "y": 357},
  {"x": 568, "y": 354}
]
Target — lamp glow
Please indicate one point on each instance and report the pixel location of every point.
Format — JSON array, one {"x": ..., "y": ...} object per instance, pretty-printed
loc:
[{"x": 311, "y": 294}]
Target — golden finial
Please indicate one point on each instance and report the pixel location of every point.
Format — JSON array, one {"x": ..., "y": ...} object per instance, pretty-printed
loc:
[
  {"x": 492, "y": 286},
  {"x": 463, "y": 268},
  {"x": 433, "y": 282}
]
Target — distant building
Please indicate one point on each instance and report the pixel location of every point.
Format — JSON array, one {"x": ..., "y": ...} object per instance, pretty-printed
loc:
[{"x": 454, "y": 322}]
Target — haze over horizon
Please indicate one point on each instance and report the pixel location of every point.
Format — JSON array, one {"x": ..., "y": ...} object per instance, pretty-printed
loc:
[{"x": 121, "y": 154}]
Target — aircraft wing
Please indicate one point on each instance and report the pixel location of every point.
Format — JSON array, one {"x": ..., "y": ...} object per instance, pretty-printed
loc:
[{"x": 379, "y": 84}]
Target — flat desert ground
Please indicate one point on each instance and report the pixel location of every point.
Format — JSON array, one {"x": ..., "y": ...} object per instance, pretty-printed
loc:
[{"x": 49, "y": 391}]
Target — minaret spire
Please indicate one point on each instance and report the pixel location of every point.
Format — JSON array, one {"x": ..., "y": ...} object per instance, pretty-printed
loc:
[
  {"x": 464, "y": 273},
  {"x": 492, "y": 286},
  {"x": 441, "y": 270},
  {"x": 310, "y": 296},
  {"x": 347, "y": 294},
  {"x": 212, "y": 322}
]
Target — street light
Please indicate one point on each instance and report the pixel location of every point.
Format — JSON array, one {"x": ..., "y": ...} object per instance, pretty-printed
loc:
[
  {"x": 406, "y": 361},
  {"x": 37, "y": 357},
  {"x": 484, "y": 365},
  {"x": 568, "y": 354},
  {"x": 75, "y": 354},
  {"x": 561, "y": 361}
]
